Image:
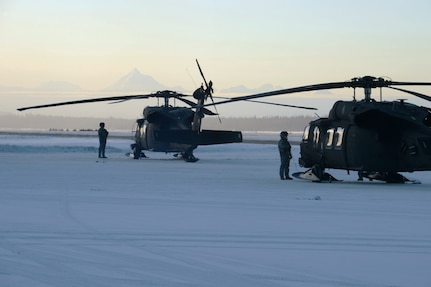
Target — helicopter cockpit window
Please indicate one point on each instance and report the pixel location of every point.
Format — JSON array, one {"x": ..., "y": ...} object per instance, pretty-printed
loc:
[
  {"x": 329, "y": 138},
  {"x": 339, "y": 137},
  {"x": 334, "y": 138},
  {"x": 143, "y": 128},
  {"x": 316, "y": 136},
  {"x": 306, "y": 132}
]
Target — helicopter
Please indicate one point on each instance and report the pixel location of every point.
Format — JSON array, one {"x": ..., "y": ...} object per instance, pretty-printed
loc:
[
  {"x": 172, "y": 129},
  {"x": 378, "y": 139},
  {"x": 168, "y": 128}
]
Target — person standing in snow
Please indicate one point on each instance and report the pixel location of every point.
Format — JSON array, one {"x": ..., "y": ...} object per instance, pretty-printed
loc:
[
  {"x": 103, "y": 136},
  {"x": 284, "y": 148}
]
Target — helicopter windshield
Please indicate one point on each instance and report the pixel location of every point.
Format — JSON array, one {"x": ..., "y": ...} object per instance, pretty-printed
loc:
[{"x": 306, "y": 132}]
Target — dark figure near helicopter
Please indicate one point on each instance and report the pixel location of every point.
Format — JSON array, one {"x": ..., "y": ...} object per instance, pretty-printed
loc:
[
  {"x": 284, "y": 148},
  {"x": 103, "y": 136}
]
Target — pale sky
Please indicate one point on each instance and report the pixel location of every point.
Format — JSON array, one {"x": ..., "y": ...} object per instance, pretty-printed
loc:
[{"x": 281, "y": 42}]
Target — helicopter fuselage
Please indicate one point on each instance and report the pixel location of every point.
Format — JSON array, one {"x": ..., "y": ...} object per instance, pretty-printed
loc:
[
  {"x": 170, "y": 129},
  {"x": 157, "y": 120},
  {"x": 370, "y": 136}
]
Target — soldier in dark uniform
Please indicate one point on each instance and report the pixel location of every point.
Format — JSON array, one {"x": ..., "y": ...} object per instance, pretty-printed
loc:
[
  {"x": 285, "y": 155},
  {"x": 103, "y": 136}
]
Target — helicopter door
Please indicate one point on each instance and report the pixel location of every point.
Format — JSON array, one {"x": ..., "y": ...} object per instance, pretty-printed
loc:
[{"x": 335, "y": 154}]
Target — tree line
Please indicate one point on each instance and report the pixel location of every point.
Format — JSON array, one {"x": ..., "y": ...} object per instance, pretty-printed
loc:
[
  {"x": 275, "y": 123},
  {"x": 29, "y": 121}
]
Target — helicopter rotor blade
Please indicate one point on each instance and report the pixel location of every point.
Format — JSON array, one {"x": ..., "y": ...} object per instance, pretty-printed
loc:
[
  {"x": 193, "y": 105},
  {"x": 131, "y": 98},
  {"x": 114, "y": 99},
  {"x": 308, "y": 88},
  {"x": 274, "y": 104},
  {"x": 422, "y": 96},
  {"x": 212, "y": 99},
  {"x": 209, "y": 88},
  {"x": 94, "y": 100},
  {"x": 202, "y": 74},
  {"x": 392, "y": 83},
  {"x": 363, "y": 82}
]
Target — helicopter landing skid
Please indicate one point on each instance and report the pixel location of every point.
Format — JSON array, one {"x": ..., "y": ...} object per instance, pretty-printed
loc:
[
  {"x": 132, "y": 155},
  {"x": 309, "y": 175},
  {"x": 186, "y": 157},
  {"x": 393, "y": 177},
  {"x": 326, "y": 177}
]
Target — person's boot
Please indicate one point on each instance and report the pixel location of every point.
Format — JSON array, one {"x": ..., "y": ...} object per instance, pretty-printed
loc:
[{"x": 287, "y": 175}]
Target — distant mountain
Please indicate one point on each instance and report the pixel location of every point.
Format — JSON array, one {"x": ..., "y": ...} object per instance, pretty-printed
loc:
[
  {"x": 135, "y": 81},
  {"x": 241, "y": 89}
]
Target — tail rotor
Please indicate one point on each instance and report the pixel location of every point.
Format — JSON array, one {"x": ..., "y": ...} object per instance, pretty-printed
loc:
[{"x": 208, "y": 89}]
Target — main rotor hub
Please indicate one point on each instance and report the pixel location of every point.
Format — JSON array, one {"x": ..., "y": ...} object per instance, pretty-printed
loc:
[{"x": 368, "y": 83}]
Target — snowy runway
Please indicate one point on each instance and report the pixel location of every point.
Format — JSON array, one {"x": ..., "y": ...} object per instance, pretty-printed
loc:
[{"x": 69, "y": 219}]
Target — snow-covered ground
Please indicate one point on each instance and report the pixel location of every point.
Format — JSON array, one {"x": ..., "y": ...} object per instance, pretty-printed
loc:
[{"x": 70, "y": 219}]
